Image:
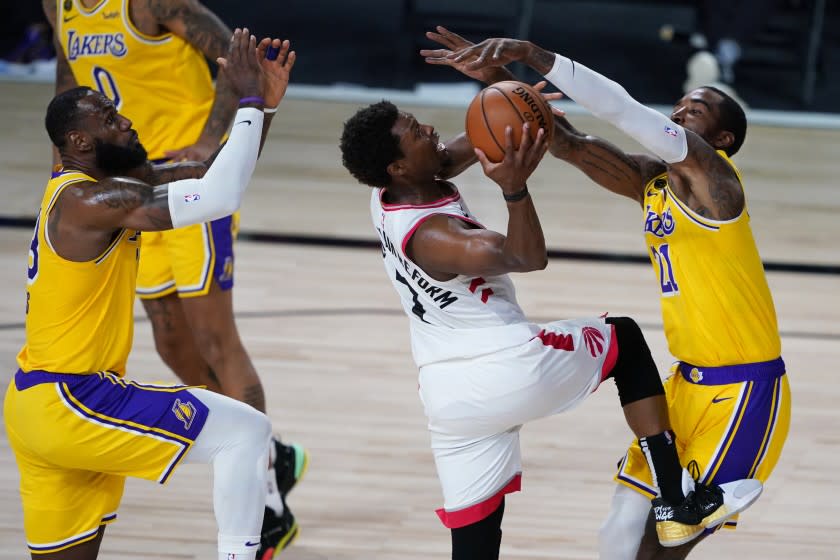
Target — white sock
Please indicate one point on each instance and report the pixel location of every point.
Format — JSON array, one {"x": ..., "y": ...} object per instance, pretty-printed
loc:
[
  {"x": 238, "y": 548},
  {"x": 272, "y": 495}
]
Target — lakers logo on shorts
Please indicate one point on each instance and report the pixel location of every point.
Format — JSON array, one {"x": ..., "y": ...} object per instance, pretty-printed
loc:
[
  {"x": 696, "y": 375},
  {"x": 227, "y": 270},
  {"x": 185, "y": 412}
]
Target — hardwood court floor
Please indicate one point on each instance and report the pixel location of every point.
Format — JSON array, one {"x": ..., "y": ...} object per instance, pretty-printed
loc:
[{"x": 331, "y": 344}]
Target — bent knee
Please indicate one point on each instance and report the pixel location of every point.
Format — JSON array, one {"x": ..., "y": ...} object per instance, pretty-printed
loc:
[{"x": 253, "y": 426}]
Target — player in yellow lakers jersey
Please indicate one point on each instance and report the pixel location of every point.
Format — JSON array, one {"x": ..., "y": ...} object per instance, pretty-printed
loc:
[
  {"x": 148, "y": 56},
  {"x": 729, "y": 398},
  {"x": 76, "y": 424}
]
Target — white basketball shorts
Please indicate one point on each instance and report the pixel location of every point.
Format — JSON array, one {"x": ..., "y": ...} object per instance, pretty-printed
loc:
[{"x": 476, "y": 407}]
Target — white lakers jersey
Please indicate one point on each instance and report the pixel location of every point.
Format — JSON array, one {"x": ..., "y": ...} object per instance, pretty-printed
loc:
[{"x": 459, "y": 318}]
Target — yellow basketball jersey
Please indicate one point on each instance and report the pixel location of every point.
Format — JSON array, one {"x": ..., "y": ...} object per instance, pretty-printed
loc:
[
  {"x": 161, "y": 83},
  {"x": 716, "y": 305},
  {"x": 78, "y": 314}
]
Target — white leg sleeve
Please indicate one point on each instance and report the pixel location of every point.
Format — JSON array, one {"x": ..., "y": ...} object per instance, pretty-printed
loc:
[
  {"x": 609, "y": 101},
  {"x": 235, "y": 440},
  {"x": 622, "y": 530}
]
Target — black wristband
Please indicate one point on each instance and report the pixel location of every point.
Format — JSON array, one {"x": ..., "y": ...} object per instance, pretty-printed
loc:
[{"x": 517, "y": 196}]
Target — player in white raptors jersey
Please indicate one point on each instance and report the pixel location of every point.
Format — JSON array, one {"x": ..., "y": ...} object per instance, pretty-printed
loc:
[{"x": 484, "y": 368}]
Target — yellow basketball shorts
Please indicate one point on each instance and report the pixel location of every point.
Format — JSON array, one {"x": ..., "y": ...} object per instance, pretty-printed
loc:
[
  {"x": 187, "y": 260},
  {"x": 733, "y": 421},
  {"x": 76, "y": 438}
]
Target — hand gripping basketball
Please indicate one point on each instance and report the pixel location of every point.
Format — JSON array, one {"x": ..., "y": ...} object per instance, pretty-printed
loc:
[{"x": 504, "y": 104}]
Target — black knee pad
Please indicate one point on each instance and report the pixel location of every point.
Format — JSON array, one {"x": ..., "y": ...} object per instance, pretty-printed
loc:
[{"x": 635, "y": 371}]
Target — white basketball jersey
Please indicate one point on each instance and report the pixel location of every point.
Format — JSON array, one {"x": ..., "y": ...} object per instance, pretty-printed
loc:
[{"x": 459, "y": 318}]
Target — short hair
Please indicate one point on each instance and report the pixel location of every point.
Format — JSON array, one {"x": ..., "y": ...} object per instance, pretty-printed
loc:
[
  {"x": 368, "y": 146},
  {"x": 63, "y": 114},
  {"x": 732, "y": 119}
]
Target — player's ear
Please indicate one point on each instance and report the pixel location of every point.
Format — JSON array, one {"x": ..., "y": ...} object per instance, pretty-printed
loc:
[
  {"x": 396, "y": 168},
  {"x": 80, "y": 141},
  {"x": 724, "y": 139}
]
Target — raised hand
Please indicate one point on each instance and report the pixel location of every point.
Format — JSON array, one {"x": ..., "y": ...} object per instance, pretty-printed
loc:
[
  {"x": 455, "y": 43},
  {"x": 241, "y": 66},
  {"x": 491, "y": 53},
  {"x": 518, "y": 164},
  {"x": 275, "y": 73}
]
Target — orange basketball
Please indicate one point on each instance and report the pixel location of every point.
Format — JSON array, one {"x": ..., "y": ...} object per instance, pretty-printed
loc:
[{"x": 505, "y": 104}]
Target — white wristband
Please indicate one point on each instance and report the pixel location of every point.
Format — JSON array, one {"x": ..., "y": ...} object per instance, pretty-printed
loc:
[
  {"x": 219, "y": 192},
  {"x": 271, "y": 111},
  {"x": 609, "y": 101}
]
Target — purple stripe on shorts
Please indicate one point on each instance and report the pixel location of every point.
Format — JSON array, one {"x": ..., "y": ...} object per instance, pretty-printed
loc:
[
  {"x": 747, "y": 438},
  {"x": 726, "y": 375},
  {"x": 26, "y": 379},
  {"x": 177, "y": 412},
  {"x": 223, "y": 244}
]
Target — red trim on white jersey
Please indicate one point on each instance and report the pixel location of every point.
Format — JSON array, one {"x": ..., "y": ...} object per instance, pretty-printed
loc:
[
  {"x": 424, "y": 218},
  {"x": 436, "y": 204},
  {"x": 612, "y": 354},
  {"x": 481, "y": 510}
]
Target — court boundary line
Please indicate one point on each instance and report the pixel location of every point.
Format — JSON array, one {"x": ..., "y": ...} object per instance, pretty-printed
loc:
[
  {"x": 399, "y": 312},
  {"x": 553, "y": 253}
]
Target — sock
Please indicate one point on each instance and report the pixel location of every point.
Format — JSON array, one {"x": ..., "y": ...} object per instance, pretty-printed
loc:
[
  {"x": 660, "y": 450},
  {"x": 273, "y": 499}
]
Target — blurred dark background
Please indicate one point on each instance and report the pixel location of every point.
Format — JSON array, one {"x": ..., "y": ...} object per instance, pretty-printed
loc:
[{"x": 789, "y": 49}]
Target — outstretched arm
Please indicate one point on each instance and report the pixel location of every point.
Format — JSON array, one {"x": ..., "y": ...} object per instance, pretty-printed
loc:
[
  {"x": 603, "y": 162},
  {"x": 712, "y": 186},
  {"x": 64, "y": 78},
  {"x": 445, "y": 247},
  {"x": 200, "y": 27},
  {"x": 120, "y": 202}
]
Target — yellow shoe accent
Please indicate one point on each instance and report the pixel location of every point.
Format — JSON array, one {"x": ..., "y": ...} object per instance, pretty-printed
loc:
[
  {"x": 672, "y": 534},
  {"x": 286, "y": 541}
]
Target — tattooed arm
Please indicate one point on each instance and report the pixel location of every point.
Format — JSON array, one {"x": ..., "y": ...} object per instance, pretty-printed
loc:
[
  {"x": 87, "y": 215},
  {"x": 706, "y": 182},
  {"x": 64, "y": 78},
  {"x": 199, "y": 26},
  {"x": 604, "y": 163}
]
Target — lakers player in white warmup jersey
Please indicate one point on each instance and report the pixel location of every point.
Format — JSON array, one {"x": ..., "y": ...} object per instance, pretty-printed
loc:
[
  {"x": 148, "y": 56},
  {"x": 484, "y": 368},
  {"x": 729, "y": 396},
  {"x": 76, "y": 424}
]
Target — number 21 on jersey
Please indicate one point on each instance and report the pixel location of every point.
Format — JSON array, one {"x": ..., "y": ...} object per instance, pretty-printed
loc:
[{"x": 662, "y": 256}]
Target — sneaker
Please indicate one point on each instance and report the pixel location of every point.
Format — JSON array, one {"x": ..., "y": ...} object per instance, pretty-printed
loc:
[
  {"x": 704, "y": 507},
  {"x": 290, "y": 465},
  {"x": 277, "y": 533}
]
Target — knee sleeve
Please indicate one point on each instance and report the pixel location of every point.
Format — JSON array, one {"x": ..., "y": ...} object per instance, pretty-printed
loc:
[
  {"x": 635, "y": 371},
  {"x": 480, "y": 540},
  {"x": 230, "y": 425},
  {"x": 622, "y": 530}
]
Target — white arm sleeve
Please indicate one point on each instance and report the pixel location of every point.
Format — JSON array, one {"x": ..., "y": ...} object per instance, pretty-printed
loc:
[
  {"x": 609, "y": 101},
  {"x": 219, "y": 192}
]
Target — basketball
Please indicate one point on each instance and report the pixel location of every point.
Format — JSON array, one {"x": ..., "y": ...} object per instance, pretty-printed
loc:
[{"x": 502, "y": 104}]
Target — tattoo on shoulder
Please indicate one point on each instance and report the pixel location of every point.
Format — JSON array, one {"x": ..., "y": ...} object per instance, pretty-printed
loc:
[{"x": 724, "y": 187}]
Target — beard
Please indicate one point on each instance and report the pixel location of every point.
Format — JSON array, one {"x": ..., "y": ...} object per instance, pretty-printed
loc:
[{"x": 119, "y": 160}]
